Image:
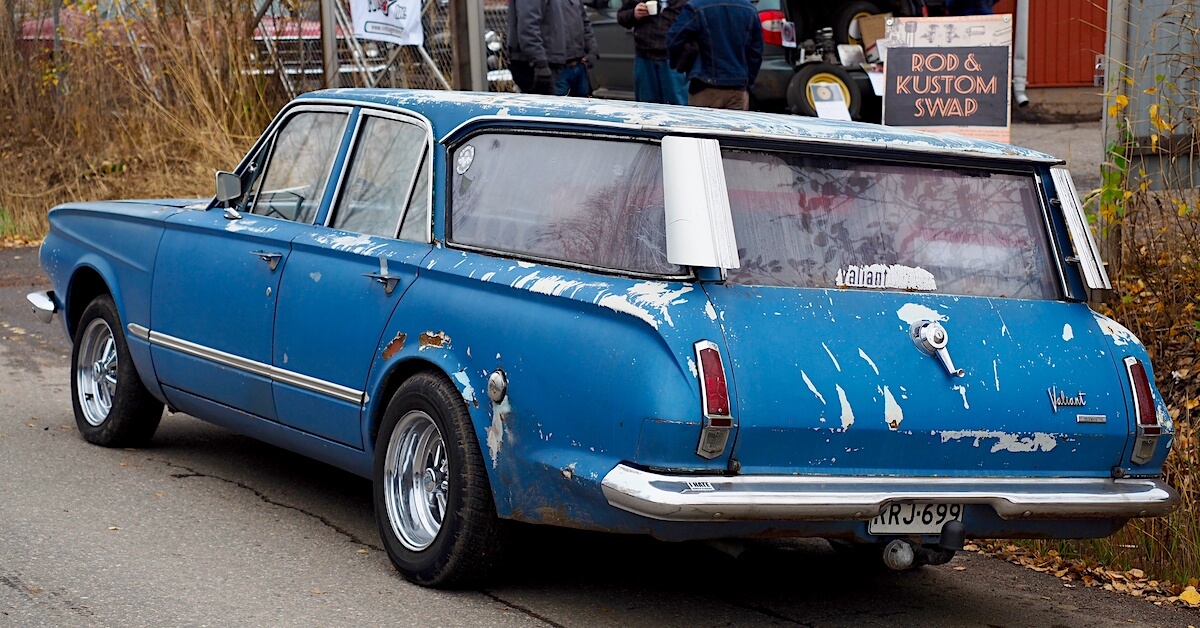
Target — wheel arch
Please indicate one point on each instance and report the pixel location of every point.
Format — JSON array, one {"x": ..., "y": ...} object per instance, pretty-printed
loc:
[
  {"x": 86, "y": 284},
  {"x": 391, "y": 381}
]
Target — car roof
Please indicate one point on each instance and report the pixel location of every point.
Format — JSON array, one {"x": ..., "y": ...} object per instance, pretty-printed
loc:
[{"x": 448, "y": 111}]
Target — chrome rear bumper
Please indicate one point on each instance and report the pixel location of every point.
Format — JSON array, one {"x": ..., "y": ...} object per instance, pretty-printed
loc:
[
  {"x": 43, "y": 305},
  {"x": 838, "y": 498}
]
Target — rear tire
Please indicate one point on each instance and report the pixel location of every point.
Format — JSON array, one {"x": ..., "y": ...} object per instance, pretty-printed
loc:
[
  {"x": 844, "y": 16},
  {"x": 112, "y": 406},
  {"x": 433, "y": 502},
  {"x": 799, "y": 98}
]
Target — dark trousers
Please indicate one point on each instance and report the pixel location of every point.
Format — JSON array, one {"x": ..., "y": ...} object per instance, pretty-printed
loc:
[
  {"x": 522, "y": 73},
  {"x": 573, "y": 80}
]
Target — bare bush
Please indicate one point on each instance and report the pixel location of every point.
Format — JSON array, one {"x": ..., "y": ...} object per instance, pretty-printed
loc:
[{"x": 127, "y": 100}]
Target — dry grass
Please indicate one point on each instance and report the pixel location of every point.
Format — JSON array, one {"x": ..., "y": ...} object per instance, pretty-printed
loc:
[
  {"x": 1151, "y": 222},
  {"x": 105, "y": 119}
]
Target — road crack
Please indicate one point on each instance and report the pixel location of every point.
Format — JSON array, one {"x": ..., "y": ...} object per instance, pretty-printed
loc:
[
  {"x": 193, "y": 473},
  {"x": 522, "y": 609}
]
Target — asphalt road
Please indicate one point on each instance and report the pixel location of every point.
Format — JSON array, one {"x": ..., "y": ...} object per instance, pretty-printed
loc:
[{"x": 210, "y": 528}]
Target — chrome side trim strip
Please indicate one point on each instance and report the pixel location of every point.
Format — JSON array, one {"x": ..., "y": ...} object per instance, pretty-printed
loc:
[
  {"x": 139, "y": 331},
  {"x": 274, "y": 373},
  {"x": 834, "y": 498}
]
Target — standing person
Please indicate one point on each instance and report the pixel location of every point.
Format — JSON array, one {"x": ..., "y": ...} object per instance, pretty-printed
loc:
[
  {"x": 579, "y": 50},
  {"x": 720, "y": 45},
  {"x": 536, "y": 45},
  {"x": 654, "y": 80}
]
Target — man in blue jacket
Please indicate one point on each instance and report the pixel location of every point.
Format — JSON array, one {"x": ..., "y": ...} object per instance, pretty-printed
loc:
[{"x": 719, "y": 44}]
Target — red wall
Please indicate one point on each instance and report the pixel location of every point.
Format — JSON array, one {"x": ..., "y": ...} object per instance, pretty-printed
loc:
[{"x": 1064, "y": 38}]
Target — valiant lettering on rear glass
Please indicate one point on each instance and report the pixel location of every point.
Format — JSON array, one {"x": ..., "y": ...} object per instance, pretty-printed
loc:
[{"x": 896, "y": 277}]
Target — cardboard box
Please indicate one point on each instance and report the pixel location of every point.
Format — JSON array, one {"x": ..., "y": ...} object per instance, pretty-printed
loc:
[{"x": 873, "y": 28}]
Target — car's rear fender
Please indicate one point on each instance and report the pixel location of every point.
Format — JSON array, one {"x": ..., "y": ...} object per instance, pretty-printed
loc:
[
  {"x": 96, "y": 248},
  {"x": 600, "y": 370},
  {"x": 1125, "y": 344}
]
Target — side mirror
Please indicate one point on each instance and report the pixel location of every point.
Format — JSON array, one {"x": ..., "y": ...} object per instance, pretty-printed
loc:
[{"x": 229, "y": 187}]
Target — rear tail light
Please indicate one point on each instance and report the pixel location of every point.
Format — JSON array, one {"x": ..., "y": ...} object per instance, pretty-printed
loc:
[
  {"x": 1148, "y": 428},
  {"x": 714, "y": 399},
  {"x": 772, "y": 26}
]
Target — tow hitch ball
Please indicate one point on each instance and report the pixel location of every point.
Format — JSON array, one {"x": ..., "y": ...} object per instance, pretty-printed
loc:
[{"x": 900, "y": 554}]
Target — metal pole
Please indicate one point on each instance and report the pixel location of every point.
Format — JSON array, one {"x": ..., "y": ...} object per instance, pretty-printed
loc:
[
  {"x": 466, "y": 24},
  {"x": 329, "y": 58},
  {"x": 1117, "y": 68}
]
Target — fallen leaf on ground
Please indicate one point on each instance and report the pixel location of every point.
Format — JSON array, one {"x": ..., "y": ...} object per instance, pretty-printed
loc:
[{"x": 1190, "y": 596}]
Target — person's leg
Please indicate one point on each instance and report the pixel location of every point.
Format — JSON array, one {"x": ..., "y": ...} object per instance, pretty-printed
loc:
[
  {"x": 645, "y": 80},
  {"x": 674, "y": 85},
  {"x": 721, "y": 99},
  {"x": 582, "y": 85},
  {"x": 563, "y": 84}
]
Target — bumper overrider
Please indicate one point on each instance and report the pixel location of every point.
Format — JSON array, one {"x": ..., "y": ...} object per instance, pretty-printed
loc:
[{"x": 838, "y": 498}]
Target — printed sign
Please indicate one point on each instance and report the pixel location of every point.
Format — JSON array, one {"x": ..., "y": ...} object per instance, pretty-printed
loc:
[
  {"x": 829, "y": 102},
  {"x": 949, "y": 74},
  {"x": 393, "y": 21}
]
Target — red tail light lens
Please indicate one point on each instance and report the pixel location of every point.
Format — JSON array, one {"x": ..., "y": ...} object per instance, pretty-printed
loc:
[
  {"x": 712, "y": 382},
  {"x": 772, "y": 26},
  {"x": 1143, "y": 398}
]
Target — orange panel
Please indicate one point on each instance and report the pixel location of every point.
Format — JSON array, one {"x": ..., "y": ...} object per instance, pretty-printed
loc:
[{"x": 1064, "y": 38}]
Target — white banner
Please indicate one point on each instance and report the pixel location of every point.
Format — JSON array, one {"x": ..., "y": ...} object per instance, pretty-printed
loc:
[{"x": 394, "y": 21}]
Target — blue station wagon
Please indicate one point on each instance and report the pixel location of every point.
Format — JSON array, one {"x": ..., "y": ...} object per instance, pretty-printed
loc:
[{"x": 672, "y": 321}]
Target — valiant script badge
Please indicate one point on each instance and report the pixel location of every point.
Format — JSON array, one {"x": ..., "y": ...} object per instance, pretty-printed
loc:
[{"x": 1059, "y": 399}]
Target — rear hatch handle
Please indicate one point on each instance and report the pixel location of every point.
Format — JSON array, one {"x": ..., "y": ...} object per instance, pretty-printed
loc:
[{"x": 931, "y": 338}]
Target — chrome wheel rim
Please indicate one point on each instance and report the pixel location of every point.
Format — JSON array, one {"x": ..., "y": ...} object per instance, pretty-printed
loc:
[
  {"x": 96, "y": 371},
  {"x": 416, "y": 480}
]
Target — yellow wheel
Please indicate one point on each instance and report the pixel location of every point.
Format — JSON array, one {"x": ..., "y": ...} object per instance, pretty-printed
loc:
[
  {"x": 800, "y": 99},
  {"x": 828, "y": 78}
]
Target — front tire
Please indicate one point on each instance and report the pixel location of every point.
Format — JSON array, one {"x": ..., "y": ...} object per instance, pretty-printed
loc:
[
  {"x": 112, "y": 406},
  {"x": 433, "y": 502}
]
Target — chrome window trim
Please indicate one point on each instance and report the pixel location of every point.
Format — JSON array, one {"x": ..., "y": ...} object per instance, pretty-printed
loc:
[
  {"x": 509, "y": 255},
  {"x": 682, "y": 130},
  {"x": 283, "y": 376},
  {"x": 273, "y": 135},
  {"x": 426, "y": 160},
  {"x": 1091, "y": 265},
  {"x": 1047, "y": 224}
]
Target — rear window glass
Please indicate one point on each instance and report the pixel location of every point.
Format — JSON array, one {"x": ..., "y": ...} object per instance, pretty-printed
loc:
[
  {"x": 593, "y": 202},
  {"x": 805, "y": 220}
]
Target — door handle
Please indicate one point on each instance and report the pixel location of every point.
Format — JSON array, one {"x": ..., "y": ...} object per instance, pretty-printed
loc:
[
  {"x": 389, "y": 281},
  {"x": 272, "y": 259}
]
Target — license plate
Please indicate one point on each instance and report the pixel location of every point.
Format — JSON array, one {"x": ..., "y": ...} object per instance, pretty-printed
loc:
[{"x": 914, "y": 518}]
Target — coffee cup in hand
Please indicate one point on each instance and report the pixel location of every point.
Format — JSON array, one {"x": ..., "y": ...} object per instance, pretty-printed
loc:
[{"x": 652, "y": 7}]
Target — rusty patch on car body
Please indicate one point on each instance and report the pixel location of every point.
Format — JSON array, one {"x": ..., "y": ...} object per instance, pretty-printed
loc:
[
  {"x": 433, "y": 339},
  {"x": 394, "y": 346}
]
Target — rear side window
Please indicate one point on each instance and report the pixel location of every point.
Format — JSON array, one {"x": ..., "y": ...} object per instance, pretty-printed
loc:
[
  {"x": 592, "y": 202},
  {"x": 827, "y": 222},
  {"x": 380, "y": 180}
]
